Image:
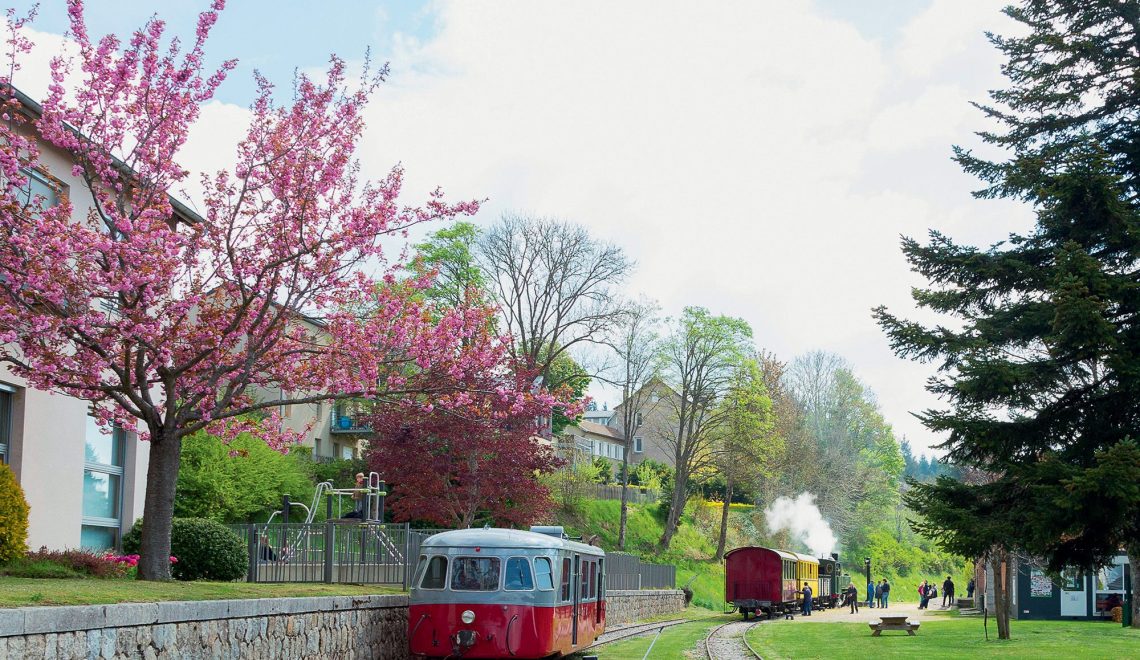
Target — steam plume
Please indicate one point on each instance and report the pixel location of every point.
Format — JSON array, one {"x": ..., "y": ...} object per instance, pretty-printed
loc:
[{"x": 802, "y": 518}]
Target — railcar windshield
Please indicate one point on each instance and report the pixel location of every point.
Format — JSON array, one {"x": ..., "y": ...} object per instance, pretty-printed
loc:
[
  {"x": 435, "y": 573},
  {"x": 543, "y": 574},
  {"x": 518, "y": 576},
  {"x": 475, "y": 574}
]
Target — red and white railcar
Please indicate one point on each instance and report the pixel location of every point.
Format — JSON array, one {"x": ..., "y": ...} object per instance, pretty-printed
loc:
[{"x": 502, "y": 593}]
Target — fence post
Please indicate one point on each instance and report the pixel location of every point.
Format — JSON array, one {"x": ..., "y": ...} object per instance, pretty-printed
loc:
[
  {"x": 330, "y": 547},
  {"x": 407, "y": 553},
  {"x": 253, "y": 543}
]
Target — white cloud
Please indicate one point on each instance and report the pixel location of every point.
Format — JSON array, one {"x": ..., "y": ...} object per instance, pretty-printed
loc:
[{"x": 760, "y": 159}]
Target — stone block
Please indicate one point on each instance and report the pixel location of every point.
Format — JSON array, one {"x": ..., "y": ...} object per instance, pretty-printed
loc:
[
  {"x": 61, "y": 619},
  {"x": 248, "y": 607},
  {"x": 11, "y": 622},
  {"x": 123, "y": 615}
]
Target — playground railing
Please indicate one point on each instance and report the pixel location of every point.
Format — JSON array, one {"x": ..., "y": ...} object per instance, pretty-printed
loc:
[{"x": 332, "y": 551}]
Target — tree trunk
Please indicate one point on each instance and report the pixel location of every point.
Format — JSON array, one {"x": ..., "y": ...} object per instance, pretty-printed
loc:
[
  {"x": 158, "y": 510},
  {"x": 999, "y": 564},
  {"x": 1134, "y": 564},
  {"x": 676, "y": 508},
  {"x": 724, "y": 517},
  {"x": 624, "y": 499}
]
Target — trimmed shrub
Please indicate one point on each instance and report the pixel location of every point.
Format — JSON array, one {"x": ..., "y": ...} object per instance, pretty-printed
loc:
[
  {"x": 13, "y": 517},
  {"x": 206, "y": 550}
]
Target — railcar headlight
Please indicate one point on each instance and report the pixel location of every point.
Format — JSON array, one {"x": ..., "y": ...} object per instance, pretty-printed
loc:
[{"x": 467, "y": 617}]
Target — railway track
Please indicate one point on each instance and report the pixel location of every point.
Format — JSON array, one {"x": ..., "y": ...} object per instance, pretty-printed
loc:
[
  {"x": 633, "y": 631},
  {"x": 729, "y": 641}
]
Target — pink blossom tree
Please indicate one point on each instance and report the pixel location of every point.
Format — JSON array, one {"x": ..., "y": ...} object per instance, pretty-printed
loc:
[{"x": 169, "y": 321}]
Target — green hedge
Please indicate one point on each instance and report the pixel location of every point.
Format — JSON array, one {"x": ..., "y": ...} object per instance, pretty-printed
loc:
[{"x": 205, "y": 549}]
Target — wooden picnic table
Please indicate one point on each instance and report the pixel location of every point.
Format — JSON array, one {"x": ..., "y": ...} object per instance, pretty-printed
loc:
[{"x": 893, "y": 623}]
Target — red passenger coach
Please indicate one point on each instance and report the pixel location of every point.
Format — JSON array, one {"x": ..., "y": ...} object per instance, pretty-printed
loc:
[
  {"x": 502, "y": 593},
  {"x": 760, "y": 580}
]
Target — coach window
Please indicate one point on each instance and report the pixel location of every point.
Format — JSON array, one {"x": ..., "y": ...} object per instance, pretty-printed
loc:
[
  {"x": 585, "y": 580},
  {"x": 518, "y": 576},
  {"x": 435, "y": 575},
  {"x": 566, "y": 579},
  {"x": 475, "y": 574},
  {"x": 542, "y": 574},
  {"x": 593, "y": 579}
]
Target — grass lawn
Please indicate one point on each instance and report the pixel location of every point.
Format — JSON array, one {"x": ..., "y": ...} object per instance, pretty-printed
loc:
[
  {"x": 19, "y": 592},
  {"x": 952, "y": 637}
]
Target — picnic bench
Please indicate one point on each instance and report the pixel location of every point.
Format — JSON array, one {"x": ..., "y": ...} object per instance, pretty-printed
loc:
[{"x": 893, "y": 623}]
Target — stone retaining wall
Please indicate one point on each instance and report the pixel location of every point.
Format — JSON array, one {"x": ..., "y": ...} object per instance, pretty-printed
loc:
[
  {"x": 325, "y": 627},
  {"x": 630, "y": 606},
  {"x": 266, "y": 628}
]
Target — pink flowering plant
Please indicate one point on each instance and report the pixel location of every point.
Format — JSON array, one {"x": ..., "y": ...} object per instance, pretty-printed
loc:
[{"x": 170, "y": 321}]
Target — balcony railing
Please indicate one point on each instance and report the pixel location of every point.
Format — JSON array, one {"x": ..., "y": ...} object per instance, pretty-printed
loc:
[{"x": 347, "y": 422}]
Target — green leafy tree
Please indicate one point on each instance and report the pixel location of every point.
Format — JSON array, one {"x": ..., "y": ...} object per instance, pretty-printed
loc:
[
  {"x": 572, "y": 380},
  {"x": 238, "y": 482},
  {"x": 747, "y": 444},
  {"x": 1042, "y": 369},
  {"x": 700, "y": 357},
  {"x": 449, "y": 253}
]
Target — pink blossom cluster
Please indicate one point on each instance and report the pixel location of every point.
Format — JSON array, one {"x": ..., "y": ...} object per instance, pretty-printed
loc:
[{"x": 131, "y": 560}]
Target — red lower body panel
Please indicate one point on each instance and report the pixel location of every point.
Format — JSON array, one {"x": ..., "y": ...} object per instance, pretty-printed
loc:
[{"x": 502, "y": 631}]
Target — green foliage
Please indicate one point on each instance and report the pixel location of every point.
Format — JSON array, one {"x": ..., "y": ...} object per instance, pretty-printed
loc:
[
  {"x": 341, "y": 472},
  {"x": 603, "y": 470},
  {"x": 239, "y": 482},
  {"x": 571, "y": 485},
  {"x": 449, "y": 252},
  {"x": 13, "y": 517},
  {"x": 205, "y": 549},
  {"x": 39, "y": 569},
  {"x": 651, "y": 474},
  {"x": 566, "y": 374}
]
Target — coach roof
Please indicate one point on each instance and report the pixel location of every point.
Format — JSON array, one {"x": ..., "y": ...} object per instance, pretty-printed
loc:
[{"x": 504, "y": 538}]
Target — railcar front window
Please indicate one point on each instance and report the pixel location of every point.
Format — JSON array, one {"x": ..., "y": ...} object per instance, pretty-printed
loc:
[
  {"x": 542, "y": 574},
  {"x": 435, "y": 575},
  {"x": 518, "y": 576},
  {"x": 475, "y": 574}
]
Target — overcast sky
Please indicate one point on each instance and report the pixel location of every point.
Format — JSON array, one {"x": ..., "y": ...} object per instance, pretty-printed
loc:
[{"x": 760, "y": 159}]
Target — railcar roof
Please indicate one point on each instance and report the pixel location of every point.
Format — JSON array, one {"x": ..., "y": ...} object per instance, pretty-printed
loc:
[
  {"x": 808, "y": 558},
  {"x": 505, "y": 538},
  {"x": 782, "y": 554}
]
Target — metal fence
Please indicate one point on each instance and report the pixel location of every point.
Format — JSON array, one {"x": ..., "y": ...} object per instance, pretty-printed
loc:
[
  {"x": 332, "y": 551},
  {"x": 634, "y": 494},
  {"x": 629, "y": 572},
  {"x": 375, "y": 553}
]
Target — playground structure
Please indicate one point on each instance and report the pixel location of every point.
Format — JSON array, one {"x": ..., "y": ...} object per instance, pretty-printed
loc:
[{"x": 302, "y": 544}]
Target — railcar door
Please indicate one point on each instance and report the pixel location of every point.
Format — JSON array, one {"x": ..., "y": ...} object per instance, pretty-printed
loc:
[{"x": 574, "y": 589}]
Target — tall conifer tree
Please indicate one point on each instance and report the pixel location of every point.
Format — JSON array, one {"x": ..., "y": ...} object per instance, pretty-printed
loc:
[{"x": 1041, "y": 371}]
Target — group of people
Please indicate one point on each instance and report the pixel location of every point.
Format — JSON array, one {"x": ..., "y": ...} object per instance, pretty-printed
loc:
[
  {"x": 928, "y": 592},
  {"x": 878, "y": 595}
]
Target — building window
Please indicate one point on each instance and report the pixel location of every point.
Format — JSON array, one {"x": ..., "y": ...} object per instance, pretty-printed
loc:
[
  {"x": 5, "y": 421},
  {"x": 637, "y": 421},
  {"x": 637, "y": 446},
  {"x": 102, "y": 487},
  {"x": 39, "y": 194}
]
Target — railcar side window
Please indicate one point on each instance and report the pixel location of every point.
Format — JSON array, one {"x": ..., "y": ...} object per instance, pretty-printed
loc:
[
  {"x": 584, "y": 579},
  {"x": 475, "y": 574},
  {"x": 593, "y": 579},
  {"x": 435, "y": 575},
  {"x": 542, "y": 574},
  {"x": 566, "y": 579},
  {"x": 518, "y": 575}
]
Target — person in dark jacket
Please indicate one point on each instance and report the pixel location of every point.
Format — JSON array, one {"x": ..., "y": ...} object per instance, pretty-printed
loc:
[
  {"x": 948, "y": 591},
  {"x": 870, "y": 594},
  {"x": 807, "y": 599},
  {"x": 970, "y": 588},
  {"x": 923, "y": 595},
  {"x": 853, "y": 598},
  {"x": 886, "y": 593}
]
